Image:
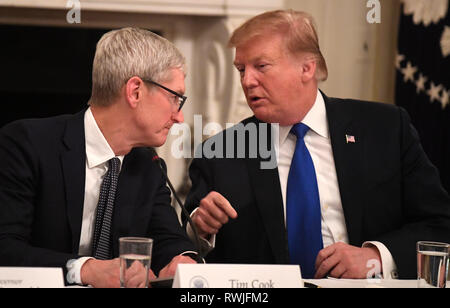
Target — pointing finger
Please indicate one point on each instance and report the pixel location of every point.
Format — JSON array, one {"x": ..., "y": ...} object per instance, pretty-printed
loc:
[{"x": 224, "y": 204}]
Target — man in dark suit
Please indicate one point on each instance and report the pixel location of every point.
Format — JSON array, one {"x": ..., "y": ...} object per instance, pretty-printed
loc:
[
  {"x": 53, "y": 170},
  {"x": 377, "y": 193}
]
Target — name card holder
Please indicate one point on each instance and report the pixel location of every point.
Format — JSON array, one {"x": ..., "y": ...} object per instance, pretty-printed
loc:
[
  {"x": 31, "y": 277},
  {"x": 237, "y": 276}
]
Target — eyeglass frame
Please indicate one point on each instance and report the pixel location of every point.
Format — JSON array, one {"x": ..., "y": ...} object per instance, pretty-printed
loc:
[{"x": 182, "y": 98}]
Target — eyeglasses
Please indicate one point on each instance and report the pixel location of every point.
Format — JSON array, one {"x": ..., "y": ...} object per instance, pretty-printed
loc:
[{"x": 180, "y": 99}]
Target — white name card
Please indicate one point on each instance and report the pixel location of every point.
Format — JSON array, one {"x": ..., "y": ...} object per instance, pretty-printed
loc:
[
  {"x": 31, "y": 277},
  {"x": 237, "y": 276}
]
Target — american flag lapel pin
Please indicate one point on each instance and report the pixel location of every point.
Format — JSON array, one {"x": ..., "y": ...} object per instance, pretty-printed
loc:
[{"x": 350, "y": 139}]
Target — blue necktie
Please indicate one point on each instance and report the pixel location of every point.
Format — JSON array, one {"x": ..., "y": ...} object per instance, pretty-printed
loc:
[{"x": 303, "y": 207}]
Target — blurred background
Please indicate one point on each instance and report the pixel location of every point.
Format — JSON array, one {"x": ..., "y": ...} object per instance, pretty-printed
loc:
[{"x": 389, "y": 51}]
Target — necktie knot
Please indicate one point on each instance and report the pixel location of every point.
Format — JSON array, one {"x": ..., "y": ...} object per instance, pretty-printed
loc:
[
  {"x": 114, "y": 164},
  {"x": 300, "y": 130}
]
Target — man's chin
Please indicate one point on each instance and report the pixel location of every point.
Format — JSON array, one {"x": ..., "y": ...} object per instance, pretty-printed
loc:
[
  {"x": 263, "y": 116},
  {"x": 272, "y": 118},
  {"x": 158, "y": 142},
  {"x": 161, "y": 142}
]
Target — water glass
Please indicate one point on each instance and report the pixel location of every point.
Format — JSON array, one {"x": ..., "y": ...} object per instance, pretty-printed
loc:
[
  {"x": 135, "y": 257},
  {"x": 432, "y": 264}
]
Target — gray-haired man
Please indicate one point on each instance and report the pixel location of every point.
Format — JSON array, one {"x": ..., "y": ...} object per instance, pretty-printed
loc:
[{"x": 52, "y": 171}]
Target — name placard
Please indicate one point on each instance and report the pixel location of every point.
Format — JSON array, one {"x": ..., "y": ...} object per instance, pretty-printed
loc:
[
  {"x": 237, "y": 276},
  {"x": 31, "y": 277}
]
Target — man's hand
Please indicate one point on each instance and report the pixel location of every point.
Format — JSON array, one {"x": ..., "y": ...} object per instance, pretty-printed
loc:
[
  {"x": 136, "y": 276},
  {"x": 106, "y": 274},
  {"x": 170, "y": 269},
  {"x": 345, "y": 261},
  {"x": 213, "y": 212},
  {"x": 101, "y": 273}
]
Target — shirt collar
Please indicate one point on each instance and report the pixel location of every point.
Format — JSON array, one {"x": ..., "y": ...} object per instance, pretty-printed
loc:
[
  {"x": 316, "y": 119},
  {"x": 98, "y": 150}
]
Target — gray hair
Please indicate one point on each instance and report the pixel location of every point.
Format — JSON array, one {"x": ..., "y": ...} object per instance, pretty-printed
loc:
[{"x": 128, "y": 52}]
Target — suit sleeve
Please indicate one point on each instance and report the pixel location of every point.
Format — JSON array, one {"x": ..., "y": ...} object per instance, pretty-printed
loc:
[
  {"x": 19, "y": 184},
  {"x": 201, "y": 179},
  {"x": 169, "y": 237},
  {"x": 426, "y": 205}
]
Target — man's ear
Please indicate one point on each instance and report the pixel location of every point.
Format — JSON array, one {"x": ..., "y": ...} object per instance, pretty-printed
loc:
[
  {"x": 308, "y": 68},
  {"x": 133, "y": 91}
]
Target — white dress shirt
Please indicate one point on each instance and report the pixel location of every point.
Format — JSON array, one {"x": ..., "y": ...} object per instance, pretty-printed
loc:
[
  {"x": 318, "y": 142},
  {"x": 98, "y": 153}
]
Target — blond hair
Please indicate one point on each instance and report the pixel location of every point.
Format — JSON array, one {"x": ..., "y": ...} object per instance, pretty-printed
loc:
[
  {"x": 128, "y": 52},
  {"x": 298, "y": 28}
]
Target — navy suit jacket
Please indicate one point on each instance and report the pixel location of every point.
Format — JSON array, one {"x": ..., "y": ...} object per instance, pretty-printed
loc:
[
  {"x": 42, "y": 183},
  {"x": 390, "y": 191}
]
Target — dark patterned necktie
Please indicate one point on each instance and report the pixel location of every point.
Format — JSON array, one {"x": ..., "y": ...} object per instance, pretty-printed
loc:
[
  {"x": 303, "y": 214},
  {"x": 102, "y": 233}
]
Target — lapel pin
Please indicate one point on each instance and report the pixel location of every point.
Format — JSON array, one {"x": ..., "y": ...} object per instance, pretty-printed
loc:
[{"x": 350, "y": 139}]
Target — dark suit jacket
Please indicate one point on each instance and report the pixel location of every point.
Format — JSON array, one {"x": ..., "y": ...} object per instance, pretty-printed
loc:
[
  {"x": 42, "y": 183},
  {"x": 390, "y": 191}
]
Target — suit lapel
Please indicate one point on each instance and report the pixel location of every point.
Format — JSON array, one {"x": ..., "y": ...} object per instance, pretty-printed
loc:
[
  {"x": 73, "y": 161},
  {"x": 349, "y": 159},
  {"x": 267, "y": 192}
]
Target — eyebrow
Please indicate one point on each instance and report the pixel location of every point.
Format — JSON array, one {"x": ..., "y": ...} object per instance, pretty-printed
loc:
[
  {"x": 179, "y": 90},
  {"x": 257, "y": 59}
]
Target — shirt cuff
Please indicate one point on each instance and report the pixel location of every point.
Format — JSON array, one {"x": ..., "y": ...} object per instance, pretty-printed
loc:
[
  {"x": 74, "y": 270},
  {"x": 207, "y": 244},
  {"x": 193, "y": 255},
  {"x": 388, "y": 266}
]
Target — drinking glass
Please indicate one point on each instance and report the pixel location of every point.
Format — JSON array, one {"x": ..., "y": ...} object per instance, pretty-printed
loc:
[
  {"x": 135, "y": 257},
  {"x": 432, "y": 264}
]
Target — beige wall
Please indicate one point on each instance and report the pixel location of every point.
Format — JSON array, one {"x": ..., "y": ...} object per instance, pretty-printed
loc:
[{"x": 360, "y": 56}]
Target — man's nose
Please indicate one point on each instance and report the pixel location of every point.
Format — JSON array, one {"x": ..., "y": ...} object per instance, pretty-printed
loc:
[
  {"x": 178, "y": 117},
  {"x": 249, "y": 79}
]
